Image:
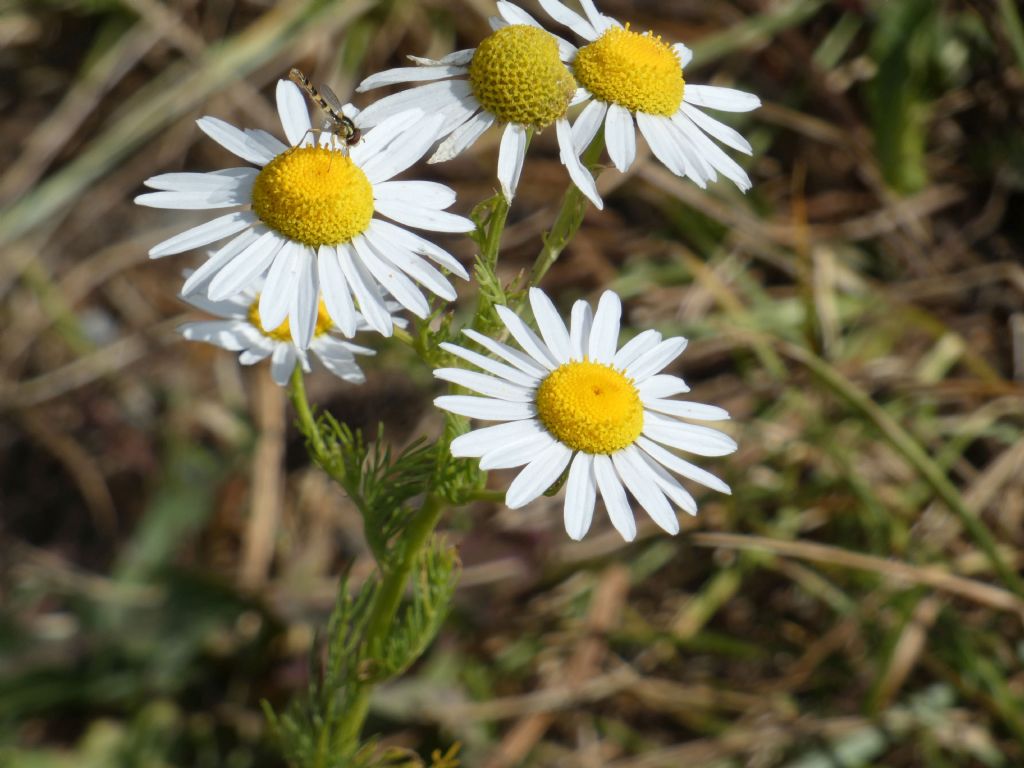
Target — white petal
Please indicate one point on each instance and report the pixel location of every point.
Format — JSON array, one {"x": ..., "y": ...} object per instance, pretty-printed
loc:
[
  {"x": 523, "y": 362},
  {"x": 538, "y": 475},
  {"x": 255, "y": 355},
  {"x": 604, "y": 335},
  {"x": 463, "y": 137},
  {"x": 551, "y": 326},
  {"x": 725, "y": 99},
  {"x": 276, "y": 296},
  {"x": 377, "y": 140},
  {"x": 204, "y": 234},
  {"x": 661, "y": 385},
  {"x": 282, "y": 363},
  {"x": 687, "y": 410},
  {"x": 614, "y": 496},
  {"x": 566, "y": 52},
  {"x": 510, "y": 158},
  {"x": 691, "y": 438},
  {"x": 640, "y": 344},
  {"x": 345, "y": 369},
  {"x": 427, "y": 194},
  {"x": 569, "y": 18},
  {"x": 485, "y": 408},
  {"x": 235, "y": 308},
  {"x": 305, "y": 304},
  {"x": 404, "y": 151},
  {"x": 719, "y": 130},
  {"x": 480, "y": 441},
  {"x": 431, "y": 98},
  {"x": 681, "y": 466},
  {"x": 621, "y": 137},
  {"x": 416, "y": 244},
  {"x": 599, "y": 21},
  {"x": 336, "y": 291},
  {"x": 393, "y": 279},
  {"x": 513, "y": 14},
  {"x": 580, "y": 324},
  {"x": 516, "y": 454},
  {"x": 198, "y": 279},
  {"x": 516, "y": 15},
  {"x": 424, "y": 218},
  {"x": 485, "y": 385},
  {"x": 221, "y": 333},
  {"x": 271, "y": 145},
  {"x": 587, "y": 124},
  {"x": 570, "y": 159},
  {"x": 410, "y": 75},
  {"x": 657, "y": 131},
  {"x": 192, "y": 201},
  {"x": 364, "y": 288},
  {"x": 527, "y": 339},
  {"x": 234, "y": 140},
  {"x": 291, "y": 107},
  {"x": 246, "y": 267},
  {"x": 409, "y": 263},
  {"x": 712, "y": 153},
  {"x": 685, "y": 54},
  {"x": 458, "y": 58},
  {"x": 200, "y": 183},
  {"x": 580, "y": 494},
  {"x": 694, "y": 156},
  {"x": 668, "y": 484},
  {"x": 506, "y": 372},
  {"x": 655, "y": 360},
  {"x": 641, "y": 483},
  {"x": 581, "y": 94}
]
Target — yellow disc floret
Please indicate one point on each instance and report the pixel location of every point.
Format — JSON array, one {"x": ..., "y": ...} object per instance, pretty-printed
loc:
[
  {"x": 590, "y": 407},
  {"x": 516, "y": 75},
  {"x": 283, "y": 332},
  {"x": 313, "y": 195},
  {"x": 639, "y": 72}
]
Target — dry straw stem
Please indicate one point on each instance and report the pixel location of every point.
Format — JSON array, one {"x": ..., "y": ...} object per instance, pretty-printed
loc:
[
  {"x": 912, "y": 451},
  {"x": 897, "y": 572}
]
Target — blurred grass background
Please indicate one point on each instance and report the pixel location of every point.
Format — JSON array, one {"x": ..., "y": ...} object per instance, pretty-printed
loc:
[{"x": 167, "y": 554}]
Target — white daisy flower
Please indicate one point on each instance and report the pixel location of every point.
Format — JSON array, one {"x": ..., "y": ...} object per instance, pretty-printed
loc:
[
  {"x": 309, "y": 221},
  {"x": 241, "y": 330},
  {"x": 516, "y": 76},
  {"x": 571, "y": 401},
  {"x": 631, "y": 76}
]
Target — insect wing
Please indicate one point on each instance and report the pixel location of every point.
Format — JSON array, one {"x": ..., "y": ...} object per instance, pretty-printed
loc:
[{"x": 332, "y": 99}]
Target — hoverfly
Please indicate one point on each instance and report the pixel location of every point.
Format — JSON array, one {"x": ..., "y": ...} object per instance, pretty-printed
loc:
[{"x": 335, "y": 121}]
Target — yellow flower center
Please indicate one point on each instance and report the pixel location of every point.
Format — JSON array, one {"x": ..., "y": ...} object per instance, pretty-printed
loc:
[
  {"x": 639, "y": 72},
  {"x": 313, "y": 195},
  {"x": 516, "y": 75},
  {"x": 283, "y": 332},
  {"x": 590, "y": 407}
]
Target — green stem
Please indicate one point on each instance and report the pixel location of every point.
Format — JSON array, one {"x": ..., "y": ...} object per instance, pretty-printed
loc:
[
  {"x": 297, "y": 391},
  {"x": 569, "y": 218},
  {"x": 494, "y": 229},
  {"x": 385, "y": 608},
  {"x": 491, "y": 231}
]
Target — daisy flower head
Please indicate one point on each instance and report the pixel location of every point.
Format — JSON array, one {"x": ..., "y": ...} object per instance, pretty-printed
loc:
[
  {"x": 240, "y": 329},
  {"x": 572, "y": 401},
  {"x": 630, "y": 76},
  {"x": 516, "y": 76},
  {"x": 310, "y": 220}
]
